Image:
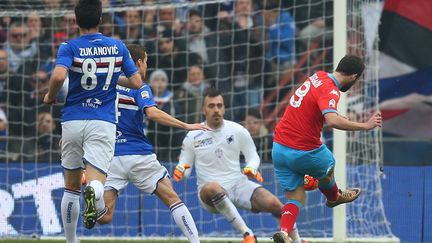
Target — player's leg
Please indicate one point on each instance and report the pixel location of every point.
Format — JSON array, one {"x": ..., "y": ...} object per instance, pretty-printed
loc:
[
  {"x": 70, "y": 204},
  {"x": 117, "y": 180},
  {"x": 98, "y": 146},
  {"x": 263, "y": 200},
  {"x": 287, "y": 162},
  {"x": 179, "y": 211},
  {"x": 215, "y": 199},
  {"x": 324, "y": 172},
  {"x": 72, "y": 153},
  {"x": 110, "y": 198}
]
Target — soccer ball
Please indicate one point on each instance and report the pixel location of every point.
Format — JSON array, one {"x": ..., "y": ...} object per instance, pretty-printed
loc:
[{"x": 310, "y": 183}]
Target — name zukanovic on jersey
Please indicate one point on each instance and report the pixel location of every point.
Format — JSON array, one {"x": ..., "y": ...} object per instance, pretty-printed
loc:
[{"x": 94, "y": 63}]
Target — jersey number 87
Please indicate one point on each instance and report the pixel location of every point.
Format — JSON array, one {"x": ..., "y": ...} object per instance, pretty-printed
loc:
[{"x": 89, "y": 68}]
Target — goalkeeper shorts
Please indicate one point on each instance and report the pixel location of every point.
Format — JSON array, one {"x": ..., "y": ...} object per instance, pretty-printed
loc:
[{"x": 292, "y": 164}]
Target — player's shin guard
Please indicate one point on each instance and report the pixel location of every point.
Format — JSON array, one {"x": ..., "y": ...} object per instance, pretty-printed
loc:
[
  {"x": 224, "y": 206},
  {"x": 184, "y": 221},
  {"x": 70, "y": 207},
  {"x": 289, "y": 215},
  {"x": 330, "y": 190}
]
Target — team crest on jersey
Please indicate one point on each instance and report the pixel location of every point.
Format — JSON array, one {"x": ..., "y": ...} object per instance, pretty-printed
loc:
[
  {"x": 334, "y": 92},
  {"x": 230, "y": 139},
  {"x": 204, "y": 142},
  {"x": 145, "y": 94},
  {"x": 332, "y": 103}
]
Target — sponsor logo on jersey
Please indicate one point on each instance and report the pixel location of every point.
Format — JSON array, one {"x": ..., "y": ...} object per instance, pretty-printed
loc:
[
  {"x": 119, "y": 139},
  {"x": 332, "y": 103},
  {"x": 334, "y": 92},
  {"x": 203, "y": 142},
  {"x": 230, "y": 139},
  {"x": 92, "y": 103},
  {"x": 316, "y": 82}
]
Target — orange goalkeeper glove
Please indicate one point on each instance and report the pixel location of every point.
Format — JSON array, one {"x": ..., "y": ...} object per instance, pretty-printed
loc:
[
  {"x": 253, "y": 174},
  {"x": 310, "y": 183},
  {"x": 179, "y": 171}
]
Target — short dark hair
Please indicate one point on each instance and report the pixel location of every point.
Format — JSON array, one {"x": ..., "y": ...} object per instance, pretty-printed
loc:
[
  {"x": 88, "y": 13},
  {"x": 137, "y": 52},
  {"x": 211, "y": 93},
  {"x": 194, "y": 12},
  {"x": 254, "y": 112},
  {"x": 351, "y": 64}
]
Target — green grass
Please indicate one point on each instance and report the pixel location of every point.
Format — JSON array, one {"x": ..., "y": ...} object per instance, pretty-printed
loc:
[{"x": 110, "y": 241}]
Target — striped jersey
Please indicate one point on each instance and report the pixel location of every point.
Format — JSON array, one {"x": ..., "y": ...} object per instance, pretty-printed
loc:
[
  {"x": 94, "y": 63},
  {"x": 130, "y": 138},
  {"x": 303, "y": 120}
]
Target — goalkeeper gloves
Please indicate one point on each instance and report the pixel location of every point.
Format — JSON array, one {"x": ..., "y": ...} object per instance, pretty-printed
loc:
[
  {"x": 179, "y": 171},
  {"x": 310, "y": 183},
  {"x": 253, "y": 174}
]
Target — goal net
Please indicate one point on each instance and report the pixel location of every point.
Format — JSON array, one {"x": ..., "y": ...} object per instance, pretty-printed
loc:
[{"x": 255, "y": 52}]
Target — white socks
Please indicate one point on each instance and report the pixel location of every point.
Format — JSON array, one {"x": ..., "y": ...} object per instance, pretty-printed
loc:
[
  {"x": 184, "y": 221},
  {"x": 99, "y": 191},
  {"x": 224, "y": 205},
  {"x": 70, "y": 208}
]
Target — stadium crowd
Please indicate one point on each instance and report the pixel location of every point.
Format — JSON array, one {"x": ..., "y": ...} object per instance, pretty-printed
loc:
[{"x": 242, "y": 47}]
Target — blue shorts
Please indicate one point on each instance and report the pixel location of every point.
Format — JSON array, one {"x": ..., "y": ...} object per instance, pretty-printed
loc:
[{"x": 292, "y": 164}]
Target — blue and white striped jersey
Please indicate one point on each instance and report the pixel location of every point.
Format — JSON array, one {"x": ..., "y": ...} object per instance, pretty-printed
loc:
[
  {"x": 94, "y": 63},
  {"x": 130, "y": 138}
]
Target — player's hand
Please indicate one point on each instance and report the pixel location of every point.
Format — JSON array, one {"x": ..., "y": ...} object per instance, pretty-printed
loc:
[
  {"x": 179, "y": 171},
  {"x": 374, "y": 121},
  {"x": 48, "y": 100},
  {"x": 197, "y": 126},
  {"x": 310, "y": 183},
  {"x": 253, "y": 174}
]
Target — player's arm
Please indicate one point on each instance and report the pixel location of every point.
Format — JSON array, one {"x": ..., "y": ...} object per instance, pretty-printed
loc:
[
  {"x": 252, "y": 158},
  {"x": 340, "y": 122},
  {"x": 133, "y": 82},
  {"x": 164, "y": 118},
  {"x": 186, "y": 160},
  {"x": 57, "y": 79}
]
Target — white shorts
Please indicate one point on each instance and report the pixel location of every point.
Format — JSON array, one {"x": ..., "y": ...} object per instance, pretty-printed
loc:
[
  {"x": 144, "y": 171},
  {"x": 240, "y": 195},
  {"x": 89, "y": 141}
]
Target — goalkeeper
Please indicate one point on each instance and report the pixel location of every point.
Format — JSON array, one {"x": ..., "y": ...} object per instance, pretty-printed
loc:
[
  {"x": 221, "y": 185},
  {"x": 134, "y": 160}
]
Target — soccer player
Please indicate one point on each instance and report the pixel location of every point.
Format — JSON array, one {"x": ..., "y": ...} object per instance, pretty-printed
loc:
[
  {"x": 221, "y": 185},
  {"x": 297, "y": 148},
  {"x": 93, "y": 64},
  {"x": 134, "y": 160}
]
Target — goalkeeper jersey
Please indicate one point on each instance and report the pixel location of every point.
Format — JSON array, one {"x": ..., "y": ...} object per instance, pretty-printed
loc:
[
  {"x": 216, "y": 154},
  {"x": 130, "y": 138},
  {"x": 303, "y": 120},
  {"x": 94, "y": 63}
]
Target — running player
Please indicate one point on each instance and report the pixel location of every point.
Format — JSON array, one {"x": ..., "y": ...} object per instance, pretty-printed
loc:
[
  {"x": 134, "y": 160},
  {"x": 297, "y": 148},
  {"x": 221, "y": 185},
  {"x": 93, "y": 64}
]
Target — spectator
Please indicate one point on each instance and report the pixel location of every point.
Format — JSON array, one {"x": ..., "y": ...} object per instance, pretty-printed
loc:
[
  {"x": 3, "y": 130},
  {"x": 167, "y": 20},
  {"x": 212, "y": 48},
  {"x": 190, "y": 97},
  {"x": 67, "y": 24},
  {"x": 20, "y": 48},
  {"x": 165, "y": 139},
  {"x": 149, "y": 19},
  {"x": 3, "y": 75},
  {"x": 47, "y": 141},
  {"x": 107, "y": 27},
  {"x": 280, "y": 53},
  {"x": 263, "y": 140},
  {"x": 132, "y": 19},
  {"x": 173, "y": 59}
]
